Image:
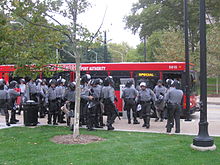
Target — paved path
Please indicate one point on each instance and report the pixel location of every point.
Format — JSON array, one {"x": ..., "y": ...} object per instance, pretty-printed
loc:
[{"x": 189, "y": 128}]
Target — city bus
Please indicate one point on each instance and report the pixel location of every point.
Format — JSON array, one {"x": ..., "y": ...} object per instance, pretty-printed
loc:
[{"x": 121, "y": 72}]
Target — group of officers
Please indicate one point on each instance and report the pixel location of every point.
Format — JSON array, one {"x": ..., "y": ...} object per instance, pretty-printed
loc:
[{"x": 97, "y": 98}]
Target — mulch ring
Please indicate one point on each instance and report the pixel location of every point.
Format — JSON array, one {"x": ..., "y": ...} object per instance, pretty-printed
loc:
[{"x": 81, "y": 139}]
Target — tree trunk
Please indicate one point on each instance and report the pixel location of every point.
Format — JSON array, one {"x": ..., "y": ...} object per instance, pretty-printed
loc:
[
  {"x": 217, "y": 82},
  {"x": 77, "y": 98}
]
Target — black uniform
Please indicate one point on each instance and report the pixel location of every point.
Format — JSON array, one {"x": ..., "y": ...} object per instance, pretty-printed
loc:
[
  {"x": 60, "y": 96},
  {"x": 173, "y": 98},
  {"x": 83, "y": 104},
  {"x": 12, "y": 98},
  {"x": 32, "y": 88},
  {"x": 69, "y": 96},
  {"x": 145, "y": 98},
  {"x": 53, "y": 105},
  {"x": 4, "y": 98},
  {"x": 129, "y": 94},
  {"x": 108, "y": 95},
  {"x": 160, "y": 91},
  {"x": 94, "y": 107}
]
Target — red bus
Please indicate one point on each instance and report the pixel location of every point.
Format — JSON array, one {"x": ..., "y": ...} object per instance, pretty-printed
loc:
[{"x": 121, "y": 72}]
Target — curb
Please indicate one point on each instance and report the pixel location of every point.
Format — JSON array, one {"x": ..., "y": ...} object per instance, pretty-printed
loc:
[{"x": 215, "y": 103}]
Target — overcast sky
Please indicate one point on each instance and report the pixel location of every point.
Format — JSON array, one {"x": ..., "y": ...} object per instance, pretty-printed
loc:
[{"x": 113, "y": 23}]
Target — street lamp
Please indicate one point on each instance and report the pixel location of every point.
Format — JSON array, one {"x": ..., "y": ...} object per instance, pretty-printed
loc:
[
  {"x": 122, "y": 56},
  {"x": 96, "y": 55},
  {"x": 203, "y": 141},
  {"x": 15, "y": 22}
]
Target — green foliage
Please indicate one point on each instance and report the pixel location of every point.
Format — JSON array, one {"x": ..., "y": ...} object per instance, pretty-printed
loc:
[
  {"x": 28, "y": 34},
  {"x": 213, "y": 51},
  {"x": 119, "y": 51},
  {"x": 25, "y": 44},
  {"x": 33, "y": 146},
  {"x": 150, "y": 16}
]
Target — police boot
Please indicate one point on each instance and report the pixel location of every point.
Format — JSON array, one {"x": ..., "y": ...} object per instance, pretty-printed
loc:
[
  {"x": 129, "y": 121},
  {"x": 110, "y": 127},
  {"x": 7, "y": 123},
  {"x": 96, "y": 121},
  {"x": 145, "y": 122},
  {"x": 49, "y": 118},
  {"x": 135, "y": 119},
  {"x": 148, "y": 122},
  {"x": 12, "y": 120},
  {"x": 156, "y": 119},
  {"x": 55, "y": 119}
]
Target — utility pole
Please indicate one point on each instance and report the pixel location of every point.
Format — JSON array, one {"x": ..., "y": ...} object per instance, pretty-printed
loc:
[
  {"x": 145, "y": 49},
  {"x": 187, "y": 73},
  {"x": 105, "y": 48}
]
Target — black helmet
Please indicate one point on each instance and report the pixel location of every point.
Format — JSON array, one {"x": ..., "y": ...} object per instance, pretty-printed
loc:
[
  {"x": 169, "y": 82},
  {"x": 61, "y": 81},
  {"x": 72, "y": 86},
  {"x": 129, "y": 83},
  {"x": 100, "y": 81},
  {"x": 53, "y": 81},
  {"x": 22, "y": 80},
  {"x": 12, "y": 84},
  {"x": 176, "y": 84},
  {"x": 38, "y": 81},
  {"x": 108, "y": 80},
  {"x": 2, "y": 85},
  {"x": 95, "y": 82},
  {"x": 85, "y": 78}
]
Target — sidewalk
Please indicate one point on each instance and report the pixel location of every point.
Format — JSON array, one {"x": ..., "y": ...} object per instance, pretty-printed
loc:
[
  {"x": 187, "y": 128},
  {"x": 213, "y": 100}
]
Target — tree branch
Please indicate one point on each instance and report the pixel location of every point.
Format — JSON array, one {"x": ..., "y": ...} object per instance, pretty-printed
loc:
[
  {"x": 93, "y": 37},
  {"x": 67, "y": 52}
]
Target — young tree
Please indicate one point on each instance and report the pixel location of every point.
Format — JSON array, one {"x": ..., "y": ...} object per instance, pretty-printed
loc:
[{"x": 77, "y": 35}]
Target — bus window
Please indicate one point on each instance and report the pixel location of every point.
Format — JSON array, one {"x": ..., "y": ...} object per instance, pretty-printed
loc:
[
  {"x": 172, "y": 75},
  {"x": 99, "y": 74},
  {"x": 117, "y": 75}
]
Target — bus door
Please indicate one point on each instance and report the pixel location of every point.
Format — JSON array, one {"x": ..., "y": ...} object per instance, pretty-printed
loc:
[
  {"x": 120, "y": 78},
  {"x": 174, "y": 76}
]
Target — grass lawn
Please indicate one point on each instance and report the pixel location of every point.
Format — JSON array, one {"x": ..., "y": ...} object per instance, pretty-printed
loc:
[{"x": 27, "y": 146}]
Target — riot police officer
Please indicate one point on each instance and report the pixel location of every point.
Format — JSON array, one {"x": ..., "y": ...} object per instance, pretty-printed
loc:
[
  {"x": 12, "y": 98},
  {"x": 31, "y": 90},
  {"x": 94, "y": 105},
  {"x": 4, "y": 98},
  {"x": 159, "y": 91},
  {"x": 129, "y": 95},
  {"x": 69, "y": 97},
  {"x": 108, "y": 95},
  {"x": 84, "y": 98},
  {"x": 145, "y": 98},
  {"x": 4, "y": 82},
  {"x": 174, "y": 98},
  {"x": 60, "y": 96},
  {"x": 51, "y": 99}
]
